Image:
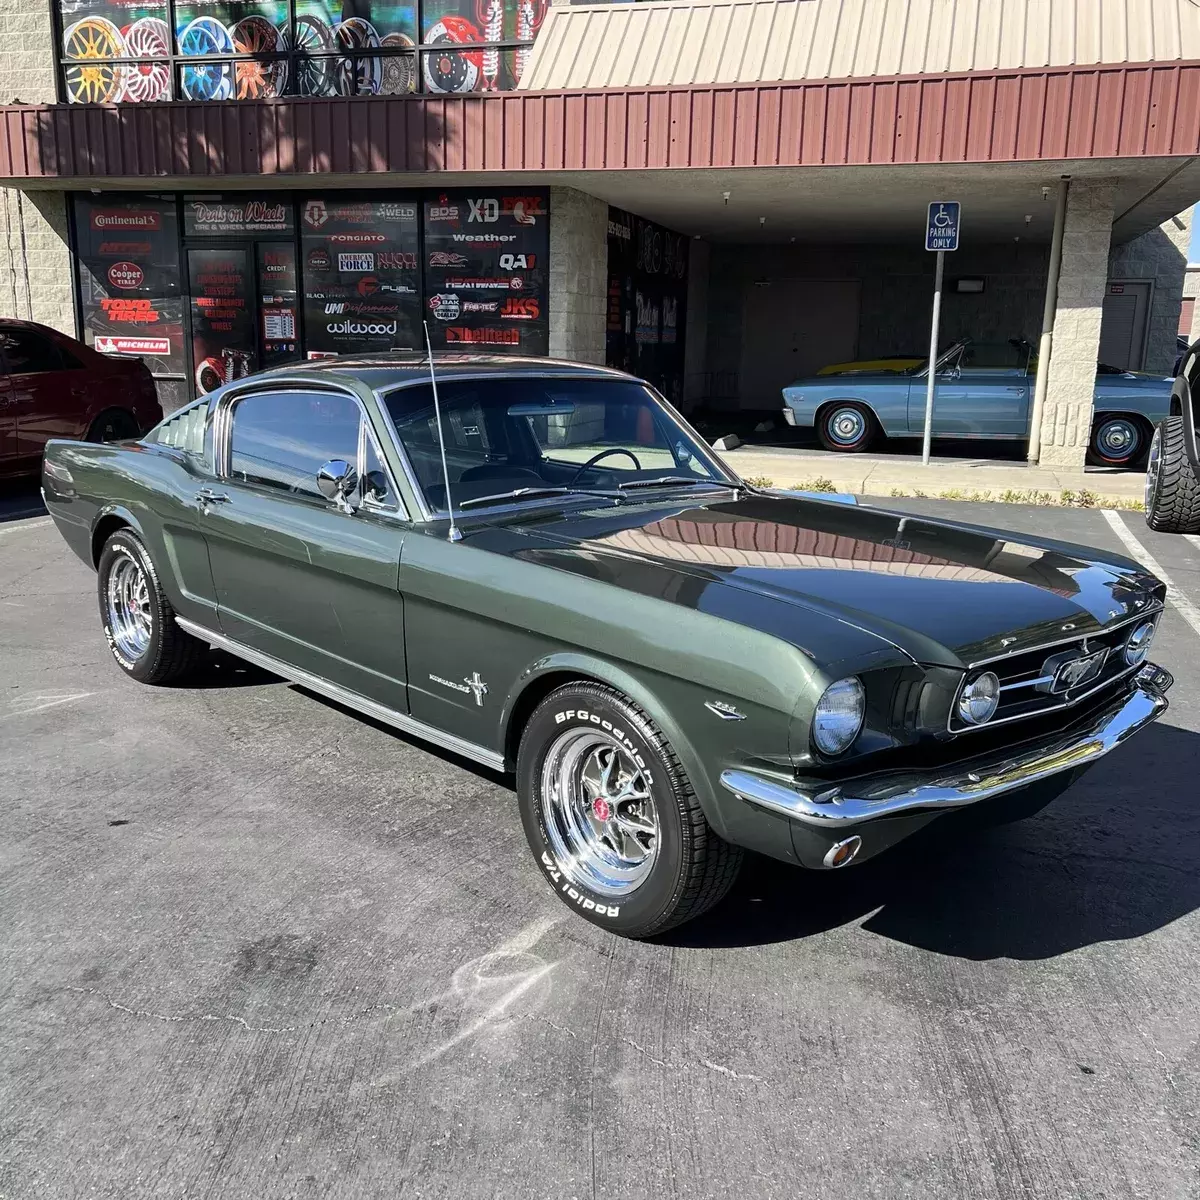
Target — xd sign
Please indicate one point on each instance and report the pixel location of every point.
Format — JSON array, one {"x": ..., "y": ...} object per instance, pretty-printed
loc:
[{"x": 941, "y": 230}]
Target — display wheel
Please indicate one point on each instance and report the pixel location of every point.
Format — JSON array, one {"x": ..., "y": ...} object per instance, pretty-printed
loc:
[
  {"x": 315, "y": 76},
  {"x": 148, "y": 38},
  {"x": 452, "y": 71},
  {"x": 211, "y": 80},
  {"x": 361, "y": 75},
  {"x": 263, "y": 78},
  {"x": 92, "y": 82},
  {"x": 399, "y": 70},
  {"x": 210, "y": 374}
]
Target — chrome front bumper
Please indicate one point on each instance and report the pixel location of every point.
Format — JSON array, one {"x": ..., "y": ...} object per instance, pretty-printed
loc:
[{"x": 978, "y": 779}]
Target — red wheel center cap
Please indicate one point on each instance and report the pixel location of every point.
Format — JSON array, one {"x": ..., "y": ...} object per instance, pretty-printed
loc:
[{"x": 601, "y": 809}]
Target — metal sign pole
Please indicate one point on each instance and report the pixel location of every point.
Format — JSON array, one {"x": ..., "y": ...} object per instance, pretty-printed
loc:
[{"x": 931, "y": 382}]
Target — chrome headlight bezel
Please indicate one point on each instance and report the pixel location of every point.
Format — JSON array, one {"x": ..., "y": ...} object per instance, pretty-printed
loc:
[
  {"x": 1137, "y": 645},
  {"x": 983, "y": 687},
  {"x": 834, "y": 730}
]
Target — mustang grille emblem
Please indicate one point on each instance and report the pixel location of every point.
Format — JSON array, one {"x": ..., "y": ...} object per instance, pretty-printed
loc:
[{"x": 1073, "y": 668}]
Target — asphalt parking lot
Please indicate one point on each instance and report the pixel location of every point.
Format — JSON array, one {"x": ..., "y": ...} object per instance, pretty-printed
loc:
[{"x": 254, "y": 946}]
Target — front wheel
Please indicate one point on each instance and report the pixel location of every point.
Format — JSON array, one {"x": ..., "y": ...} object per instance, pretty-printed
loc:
[
  {"x": 611, "y": 816},
  {"x": 1172, "y": 489},
  {"x": 1117, "y": 441},
  {"x": 138, "y": 619},
  {"x": 846, "y": 426}
]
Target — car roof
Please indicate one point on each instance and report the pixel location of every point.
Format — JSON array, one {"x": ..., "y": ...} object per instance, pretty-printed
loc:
[{"x": 382, "y": 371}]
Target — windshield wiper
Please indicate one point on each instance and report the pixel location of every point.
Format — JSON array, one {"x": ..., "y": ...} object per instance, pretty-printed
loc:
[
  {"x": 672, "y": 481},
  {"x": 530, "y": 493}
]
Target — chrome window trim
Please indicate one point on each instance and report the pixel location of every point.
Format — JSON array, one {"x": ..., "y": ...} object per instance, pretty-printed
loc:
[
  {"x": 1153, "y": 610},
  {"x": 223, "y": 429},
  {"x": 352, "y": 700},
  {"x": 727, "y": 477}
]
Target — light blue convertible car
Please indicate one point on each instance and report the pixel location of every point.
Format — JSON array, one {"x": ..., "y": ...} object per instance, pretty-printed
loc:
[{"x": 984, "y": 390}]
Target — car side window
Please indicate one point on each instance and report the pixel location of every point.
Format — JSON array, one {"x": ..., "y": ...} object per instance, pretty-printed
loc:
[
  {"x": 282, "y": 439},
  {"x": 30, "y": 353}
]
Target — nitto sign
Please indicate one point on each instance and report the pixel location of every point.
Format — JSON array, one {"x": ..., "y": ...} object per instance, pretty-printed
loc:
[{"x": 125, "y": 275}]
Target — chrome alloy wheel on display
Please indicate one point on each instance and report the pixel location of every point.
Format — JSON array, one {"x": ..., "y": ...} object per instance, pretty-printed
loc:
[
  {"x": 129, "y": 607},
  {"x": 599, "y": 812}
]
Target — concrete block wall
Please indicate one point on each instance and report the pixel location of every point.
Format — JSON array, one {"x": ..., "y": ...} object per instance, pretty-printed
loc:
[
  {"x": 1071, "y": 385},
  {"x": 578, "y": 275},
  {"x": 35, "y": 264},
  {"x": 1160, "y": 256},
  {"x": 27, "y": 64}
]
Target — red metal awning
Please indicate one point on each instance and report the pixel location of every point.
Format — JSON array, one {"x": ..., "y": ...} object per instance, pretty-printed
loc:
[{"x": 1150, "y": 110}]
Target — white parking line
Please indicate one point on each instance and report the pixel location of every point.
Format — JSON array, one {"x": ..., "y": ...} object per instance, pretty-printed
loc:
[
  {"x": 1186, "y": 609},
  {"x": 24, "y": 525}
]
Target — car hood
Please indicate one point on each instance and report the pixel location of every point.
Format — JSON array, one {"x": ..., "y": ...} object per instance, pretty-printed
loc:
[{"x": 942, "y": 592}]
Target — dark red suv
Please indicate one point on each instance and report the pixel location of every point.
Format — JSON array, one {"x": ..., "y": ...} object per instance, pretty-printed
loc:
[{"x": 52, "y": 386}]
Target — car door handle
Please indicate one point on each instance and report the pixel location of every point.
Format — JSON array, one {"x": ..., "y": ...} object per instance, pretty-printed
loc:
[{"x": 206, "y": 496}]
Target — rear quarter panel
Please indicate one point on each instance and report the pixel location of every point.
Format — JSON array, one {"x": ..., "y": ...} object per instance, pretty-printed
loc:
[
  {"x": 89, "y": 487},
  {"x": 1151, "y": 398}
]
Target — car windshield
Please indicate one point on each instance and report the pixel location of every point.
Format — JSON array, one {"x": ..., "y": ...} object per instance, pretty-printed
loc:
[{"x": 518, "y": 438}]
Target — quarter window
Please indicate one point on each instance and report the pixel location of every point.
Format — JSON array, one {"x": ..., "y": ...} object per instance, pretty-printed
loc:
[{"x": 282, "y": 439}]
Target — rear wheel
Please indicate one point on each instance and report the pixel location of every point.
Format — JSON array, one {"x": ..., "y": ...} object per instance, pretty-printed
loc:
[
  {"x": 846, "y": 426},
  {"x": 1118, "y": 440},
  {"x": 611, "y": 816},
  {"x": 113, "y": 426},
  {"x": 1172, "y": 489},
  {"x": 138, "y": 619}
]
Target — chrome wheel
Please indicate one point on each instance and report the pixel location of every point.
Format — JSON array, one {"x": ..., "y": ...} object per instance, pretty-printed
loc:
[
  {"x": 129, "y": 607},
  {"x": 1153, "y": 469},
  {"x": 1118, "y": 440},
  {"x": 598, "y": 812},
  {"x": 846, "y": 426}
]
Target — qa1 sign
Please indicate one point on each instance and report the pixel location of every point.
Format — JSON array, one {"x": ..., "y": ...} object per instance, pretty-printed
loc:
[{"x": 941, "y": 230}]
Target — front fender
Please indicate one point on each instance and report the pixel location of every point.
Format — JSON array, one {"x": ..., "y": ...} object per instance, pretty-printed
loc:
[{"x": 664, "y": 700}]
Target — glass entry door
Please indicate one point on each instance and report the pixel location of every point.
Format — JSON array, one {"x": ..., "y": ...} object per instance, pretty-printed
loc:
[
  {"x": 245, "y": 308},
  {"x": 224, "y": 345}
]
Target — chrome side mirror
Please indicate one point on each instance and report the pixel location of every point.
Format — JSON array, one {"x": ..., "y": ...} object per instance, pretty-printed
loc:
[
  {"x": 375, "y": 486},
  {"x": 337, "y": 481}
]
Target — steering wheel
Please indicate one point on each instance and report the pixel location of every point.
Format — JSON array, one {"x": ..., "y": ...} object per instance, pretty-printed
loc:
[{"x": 591, "y": 462}]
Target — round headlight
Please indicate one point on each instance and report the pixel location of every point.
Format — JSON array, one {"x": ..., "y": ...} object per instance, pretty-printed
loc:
[
  {"x": 839, "y": 715},
  {"x": 978, "y": 700},
  {"x": 1137, "y": 646}
]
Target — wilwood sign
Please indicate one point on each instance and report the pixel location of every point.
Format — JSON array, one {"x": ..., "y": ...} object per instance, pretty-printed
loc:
[{"x": 206, "y": 218}]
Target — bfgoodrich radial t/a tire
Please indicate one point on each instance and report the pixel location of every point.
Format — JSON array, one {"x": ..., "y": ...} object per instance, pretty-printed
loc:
[
  {"x": 1172, "y": 489},
  {"x": 611, "y": 817},
  {"x": 138, "y": 620}
]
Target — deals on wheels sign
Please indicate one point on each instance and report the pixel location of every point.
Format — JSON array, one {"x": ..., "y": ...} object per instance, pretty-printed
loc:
[
  {"x": 361, "y": 276},
  {"x": 129, "y": 279},
  {"x": 486, "y": 271}
]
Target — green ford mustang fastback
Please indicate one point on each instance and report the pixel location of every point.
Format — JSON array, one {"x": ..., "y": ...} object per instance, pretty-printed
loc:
[{"x": 675, "y": 665}]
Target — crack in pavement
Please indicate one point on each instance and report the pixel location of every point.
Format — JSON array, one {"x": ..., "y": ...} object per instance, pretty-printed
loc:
[{"x": 182, "y": 1018}]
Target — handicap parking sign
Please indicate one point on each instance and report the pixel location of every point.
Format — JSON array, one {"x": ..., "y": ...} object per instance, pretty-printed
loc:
[{"x": 941, "y": 230}]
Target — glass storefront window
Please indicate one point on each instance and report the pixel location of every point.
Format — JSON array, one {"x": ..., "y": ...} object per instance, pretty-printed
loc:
[
  {"x": 362, "y": 277},
  {"x": 486, "y": 270},
  {"x": 129, "y": 279}
]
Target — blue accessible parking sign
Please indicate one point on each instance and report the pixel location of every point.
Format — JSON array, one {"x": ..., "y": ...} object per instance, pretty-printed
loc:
[{"x": 941, "y": 230}]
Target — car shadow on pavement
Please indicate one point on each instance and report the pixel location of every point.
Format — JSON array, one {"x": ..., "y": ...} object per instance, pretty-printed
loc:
[
  {"x": 221, "y": 670},
  {"x": 19, "y": 500},
  {"x": 1115, "y": 857}
]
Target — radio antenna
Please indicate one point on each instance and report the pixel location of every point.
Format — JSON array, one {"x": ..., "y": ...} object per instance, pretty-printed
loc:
[{"x": 455, "y": 533}]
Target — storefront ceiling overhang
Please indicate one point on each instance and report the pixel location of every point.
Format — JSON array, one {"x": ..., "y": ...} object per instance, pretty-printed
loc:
[{"x": 785, "y": 152}]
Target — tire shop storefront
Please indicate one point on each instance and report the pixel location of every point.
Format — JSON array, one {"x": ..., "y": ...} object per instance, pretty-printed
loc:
[{"x": 210, "y": 288}]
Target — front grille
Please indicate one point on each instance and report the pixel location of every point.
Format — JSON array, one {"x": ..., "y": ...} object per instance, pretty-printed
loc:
[{"x": 1026, "y": 678}]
